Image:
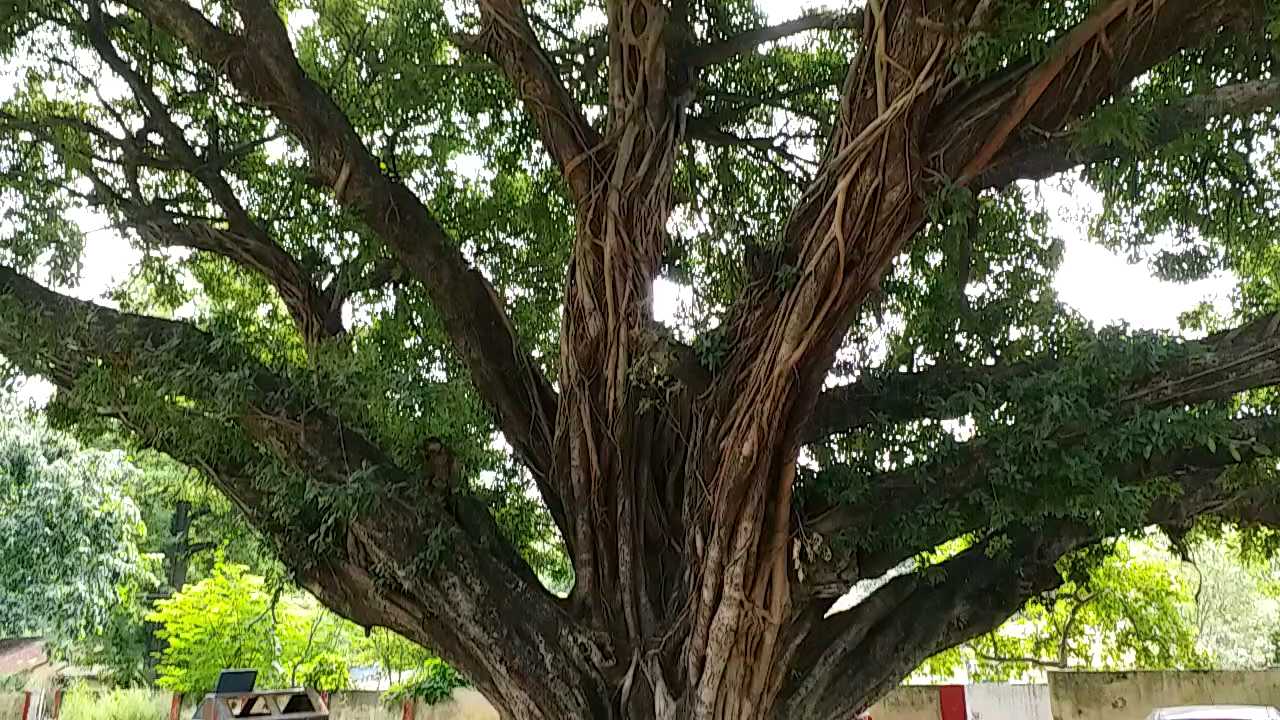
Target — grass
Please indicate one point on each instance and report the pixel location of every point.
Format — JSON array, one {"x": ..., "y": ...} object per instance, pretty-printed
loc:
[{"x": 137, "y": 704}]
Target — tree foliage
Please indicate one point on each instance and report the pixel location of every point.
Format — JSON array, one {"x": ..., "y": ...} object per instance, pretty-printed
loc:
[
  {"x": 432, "y": 683},
  {"x": 396, "y": 302},
  {"x": 231, "y": 620},
  {"x": 235, "y": 619},
  {"x": 223, "y": 621},
  {"x": 1133, "y": 609},
  {"x": 69, "y": 534}
]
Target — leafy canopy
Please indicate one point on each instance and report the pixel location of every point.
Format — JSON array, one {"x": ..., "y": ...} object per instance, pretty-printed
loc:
[
  {"x": 123, "y": 127},
  {"x": 975, "y": 288}
]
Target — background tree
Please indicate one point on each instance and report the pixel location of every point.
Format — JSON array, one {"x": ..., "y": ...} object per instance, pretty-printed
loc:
[
  {"x": 223, "y": 621},
  {"x": 234, "y": 618},
  {"x": 1236, "y": 598},
  {"x": 1136, "y": 608},
  {"x": 377, "y": 236},
  {"x": 188, "y": 524},
  {"x": 69, "y": 535},
  {"x": 91, "y": 536}
]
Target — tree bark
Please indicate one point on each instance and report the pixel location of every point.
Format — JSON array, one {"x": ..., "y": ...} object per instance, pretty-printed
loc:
[{"x": 177, "y": 555}]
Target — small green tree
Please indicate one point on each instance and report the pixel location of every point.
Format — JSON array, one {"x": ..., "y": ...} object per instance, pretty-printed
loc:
[
  {"x": 314, "y": 647},
  {"x": 235, "y": 619},
  {"x": 327, "y": 671},
  {"x": 223, "y": 621}
]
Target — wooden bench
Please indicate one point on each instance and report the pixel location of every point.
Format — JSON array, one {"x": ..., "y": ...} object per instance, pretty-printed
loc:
[{"x": 294, "y": 704}]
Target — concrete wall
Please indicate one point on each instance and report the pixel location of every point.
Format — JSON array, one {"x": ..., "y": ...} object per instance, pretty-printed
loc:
[
  {"x": 11, "y": 704},
  {"x": 995, "y": 701},
  {"x": 1133, "y": 695},
  {"x": 1069, "y": 696},
  {"x": 359, "y": 706},
  {"x": 909, "y": 702},
  {"x": 466, "y": 704}
]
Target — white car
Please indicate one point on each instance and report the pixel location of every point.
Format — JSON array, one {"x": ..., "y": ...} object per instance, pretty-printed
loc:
[{"x": 1216, "y": 712}]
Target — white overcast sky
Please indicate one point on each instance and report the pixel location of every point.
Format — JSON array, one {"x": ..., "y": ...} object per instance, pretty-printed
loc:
[{"x": 1099, "y": 284}]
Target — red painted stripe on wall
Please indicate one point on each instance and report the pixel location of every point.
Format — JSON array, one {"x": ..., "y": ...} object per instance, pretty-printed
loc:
[{"x": 951, "y": 700}]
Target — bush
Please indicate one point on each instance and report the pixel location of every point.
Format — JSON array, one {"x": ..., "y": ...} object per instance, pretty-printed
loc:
[
  {"x": 326, "y": 672},
  {"x": 433, "y": 684},
  {"x": 13, "y": 682},
  {"x": 114, "y": 705}
]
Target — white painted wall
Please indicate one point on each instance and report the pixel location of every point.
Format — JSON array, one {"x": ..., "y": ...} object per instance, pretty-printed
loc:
[{"x": 1008, "y": 702}]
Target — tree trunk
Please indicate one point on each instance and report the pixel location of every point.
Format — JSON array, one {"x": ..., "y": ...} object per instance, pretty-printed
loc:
[{"x": 177, "y": 553}]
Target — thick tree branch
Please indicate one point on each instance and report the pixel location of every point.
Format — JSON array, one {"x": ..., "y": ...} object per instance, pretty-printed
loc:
[
  {"x": 247, "y": 243},
  {"x": 862, "y": 206},
  {"x": 478, "y": 589},
  {"x": 903, "y": 397},
  {"x": 262, "y": 66},
  {"x": 743, "y": 43},
  {"x": 914, "y": 497},
  {"x": 508, "y": 39},
  {"x": 1033, "y": 158},
  {"x": 1038, "y": 153},
  {"x": 1209, "y": 370},
  {"x": 866, "y": 203},
  {"x": 607, "y": 445},
  {"x": 64, "y": 339},
  {"x": 1213, "y": 368},
  {"x": 1116, "y": 43},
  {"x": 911, "y": 617}
]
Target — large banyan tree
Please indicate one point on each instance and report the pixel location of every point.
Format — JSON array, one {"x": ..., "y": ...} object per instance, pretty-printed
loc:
[{"x": 395, "y": 297}]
